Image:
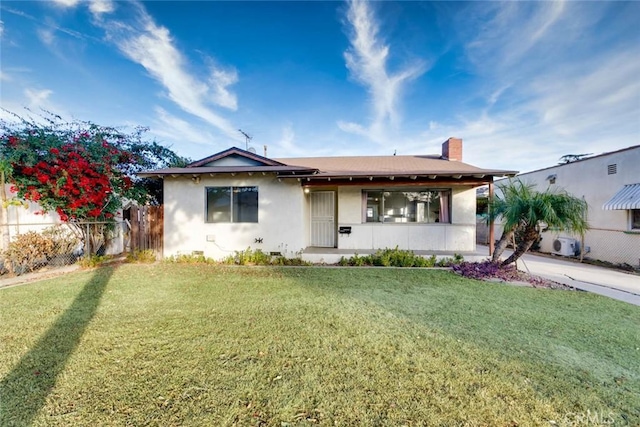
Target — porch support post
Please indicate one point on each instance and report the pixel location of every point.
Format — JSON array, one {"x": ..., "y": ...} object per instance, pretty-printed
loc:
[{"x": 492, "y": 239}]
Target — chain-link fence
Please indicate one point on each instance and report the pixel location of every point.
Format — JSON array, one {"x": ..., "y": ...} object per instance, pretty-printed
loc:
[
  {"x": 30, "y": 247},
  {"x": 614, "y": 246}
]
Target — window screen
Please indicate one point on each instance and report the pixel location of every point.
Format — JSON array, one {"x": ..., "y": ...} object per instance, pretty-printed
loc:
[{"x": 232, "y": 204}]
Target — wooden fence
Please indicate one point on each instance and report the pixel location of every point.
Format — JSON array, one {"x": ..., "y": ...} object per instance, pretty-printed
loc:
[{"x": 147, "y": 228}]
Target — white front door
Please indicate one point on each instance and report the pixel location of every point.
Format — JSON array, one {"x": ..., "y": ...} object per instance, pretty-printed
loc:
[{"x": 323, "y": 230}]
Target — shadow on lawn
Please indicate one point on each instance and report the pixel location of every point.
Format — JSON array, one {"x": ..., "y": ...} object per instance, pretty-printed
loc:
[{"x": 24, "y": 391}]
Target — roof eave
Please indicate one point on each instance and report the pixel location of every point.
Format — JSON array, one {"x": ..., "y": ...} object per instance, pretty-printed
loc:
[
  {"x": 410, "y": 175},
  {"x": 283, "y": 171}
]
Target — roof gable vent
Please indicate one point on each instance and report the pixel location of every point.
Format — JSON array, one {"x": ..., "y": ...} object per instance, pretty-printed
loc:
[{"x": 612, "y": 169}]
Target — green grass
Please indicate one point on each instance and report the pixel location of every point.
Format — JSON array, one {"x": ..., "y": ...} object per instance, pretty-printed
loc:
[{"x": 174, "y": 344}]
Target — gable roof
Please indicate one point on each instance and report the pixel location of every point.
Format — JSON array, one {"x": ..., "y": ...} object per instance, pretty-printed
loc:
[
  {"x": 235, "y": 151},
  {"x": 327, "y": 168}
]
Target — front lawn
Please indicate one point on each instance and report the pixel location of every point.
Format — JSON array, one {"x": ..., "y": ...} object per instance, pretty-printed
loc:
[{"x": 171, "y": 344}]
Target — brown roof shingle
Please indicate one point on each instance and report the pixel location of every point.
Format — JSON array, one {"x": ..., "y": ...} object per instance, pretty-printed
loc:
[{"x": 389, "y": 165}]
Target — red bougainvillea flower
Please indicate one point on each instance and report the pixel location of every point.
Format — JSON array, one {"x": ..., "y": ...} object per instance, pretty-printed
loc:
[{"x": 95, "y": 212}]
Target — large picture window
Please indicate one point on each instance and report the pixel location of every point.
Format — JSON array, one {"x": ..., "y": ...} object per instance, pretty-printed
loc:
[
  {"x": 393, "y": 206},
  {"x": 232, "y": 204}
]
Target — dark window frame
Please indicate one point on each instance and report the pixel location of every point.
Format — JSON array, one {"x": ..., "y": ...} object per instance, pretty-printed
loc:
[
  {"x": 240, "y": 210},
  {"x": 403, "y": 206},
  {"x": 634, "y": 219}
]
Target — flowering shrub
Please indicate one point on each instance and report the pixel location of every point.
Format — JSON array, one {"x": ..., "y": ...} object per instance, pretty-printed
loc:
[
  {"x": 74, "y": 182},
  {"x": 79, "y": 170}
]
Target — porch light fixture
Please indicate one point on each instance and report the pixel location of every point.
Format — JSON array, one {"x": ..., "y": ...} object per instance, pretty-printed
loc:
[
  {"x": 195, "y": 179},
  {"x": 306, "y": 190}
]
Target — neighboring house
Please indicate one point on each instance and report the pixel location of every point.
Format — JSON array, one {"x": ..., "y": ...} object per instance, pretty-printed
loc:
[
  {"x": 610, "y": 184},
  {"x": 236, "y": 199},
  {"x": 29, "y": 217},
  {"x": 26, "y": 217}
]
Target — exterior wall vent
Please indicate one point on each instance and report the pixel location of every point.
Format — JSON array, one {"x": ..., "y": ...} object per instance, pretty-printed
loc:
[{"x": 612, "y": 169}]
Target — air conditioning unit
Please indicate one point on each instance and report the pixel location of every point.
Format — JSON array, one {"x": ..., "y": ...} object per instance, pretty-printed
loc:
[{"x": 565, "y": 246}]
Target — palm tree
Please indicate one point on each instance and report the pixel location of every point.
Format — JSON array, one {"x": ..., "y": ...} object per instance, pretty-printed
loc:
[{"x": 525, "y": 210}]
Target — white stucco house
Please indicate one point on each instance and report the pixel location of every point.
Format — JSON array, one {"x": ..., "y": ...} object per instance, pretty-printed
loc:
[
  {"x": 610, "y": 184},
  {"x": 236, "y": 199}
]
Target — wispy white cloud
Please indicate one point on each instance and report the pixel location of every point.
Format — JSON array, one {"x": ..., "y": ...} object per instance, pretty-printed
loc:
[
  {"x": 46, "y": 36},
  {"x": 30, "y": 104},
  {"x": 37, "y": 98},
  {"x": 507, "y": 33},
  {"x": 152, "y": 46},
  {"x": 66, "y": 3},
  {"x": 556, "y": 79},
  {"x": 367, "y": 60},
  {"x": 603, "y": 98},
  {"x": 98, "y": 7},
  {"x": 175, "y": 129},
  {"x": 287, "y": 145},
  {"x": 220, "y": 80}
]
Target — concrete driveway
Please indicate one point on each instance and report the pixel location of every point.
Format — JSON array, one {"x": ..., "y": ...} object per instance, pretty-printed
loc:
[{"x": 599, "y": 280}]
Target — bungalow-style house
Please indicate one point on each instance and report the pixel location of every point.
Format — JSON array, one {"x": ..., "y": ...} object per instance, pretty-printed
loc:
[{"x": 236, "y": 199}]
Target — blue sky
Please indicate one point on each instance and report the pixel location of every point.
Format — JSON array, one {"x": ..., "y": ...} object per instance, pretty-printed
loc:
[{"x": 522, "y": 83}]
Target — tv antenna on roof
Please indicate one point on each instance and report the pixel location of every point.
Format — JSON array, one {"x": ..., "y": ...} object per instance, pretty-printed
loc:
[
  {"x": 572, "y": 158},
  {"x": 247, "y": 138}
]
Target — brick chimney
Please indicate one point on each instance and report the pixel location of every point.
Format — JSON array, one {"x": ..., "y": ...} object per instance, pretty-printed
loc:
[{"x": 452, "y": 149}]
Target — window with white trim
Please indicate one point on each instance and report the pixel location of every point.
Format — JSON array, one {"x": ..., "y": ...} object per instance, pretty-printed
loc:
[
  {"x": 231, "y": 204},
  {"x": 403, "y": 206}
]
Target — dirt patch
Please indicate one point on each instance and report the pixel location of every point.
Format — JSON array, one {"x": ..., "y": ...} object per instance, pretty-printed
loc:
[
  {"x": 496, "y": 272},
  {"x": 530, "y": 280},
  {"x": 45, "y": 273}
]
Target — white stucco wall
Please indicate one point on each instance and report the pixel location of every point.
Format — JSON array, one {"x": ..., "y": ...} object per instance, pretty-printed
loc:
[
  {"x": 21, "y": 219},
  {"x": 281, "y": 218},
  {"x": 609, "y": 238},
  {"x": 284, "y": 221},
  {"x": 459, "y": 236}
]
